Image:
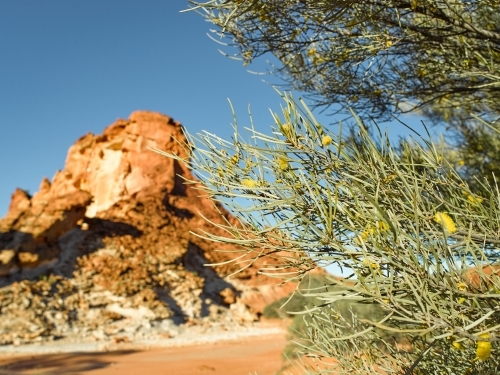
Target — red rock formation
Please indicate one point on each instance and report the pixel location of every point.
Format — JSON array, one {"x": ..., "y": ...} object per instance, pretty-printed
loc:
[
  {"x": 482, "y": 279},
  {"x": 119, "y": 218},
  {"x": 117, "y": 165},
  {"x": 32, "y": 226},
  {"x": 105, "y": 176}
]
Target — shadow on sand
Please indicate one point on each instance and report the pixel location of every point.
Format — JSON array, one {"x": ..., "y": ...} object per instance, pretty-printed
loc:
[{"x": 58, "y": 364}]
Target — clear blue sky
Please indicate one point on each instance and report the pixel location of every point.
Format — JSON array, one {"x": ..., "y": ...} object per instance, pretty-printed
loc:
[{"x": 69, "y": 67}]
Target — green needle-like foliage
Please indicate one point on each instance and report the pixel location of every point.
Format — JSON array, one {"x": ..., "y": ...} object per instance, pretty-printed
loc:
[
  {"x": 377, "y": 57},
  {"x": 476, "y": 152},
  {"x": 403, "y": 225}
]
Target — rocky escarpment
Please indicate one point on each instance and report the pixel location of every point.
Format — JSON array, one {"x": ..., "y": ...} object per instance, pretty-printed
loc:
[{"x": 104, "y": 249}]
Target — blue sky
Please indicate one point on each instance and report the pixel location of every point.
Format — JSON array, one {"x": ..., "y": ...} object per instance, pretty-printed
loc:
[{"x": 71, "y": 67}]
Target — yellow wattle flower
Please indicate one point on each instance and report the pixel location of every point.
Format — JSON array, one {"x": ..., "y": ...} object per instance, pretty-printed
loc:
[
  {"x": 457, "y": 345},
  {"x": 462, "y": 287},
  {"x": 383, "y": 226},
  {"x": 446, "y": 221},
  {"x": 249, "y": 183},
  {"x": 367, "y": 233},
  {"x": 283, "y": 164},
  {"x": 371, "y": 264},
  {"x": 326, "y": 140},
  {"x": 389, "y": 178},
  {"x": 234, "y": 159},
  {"x": 474, "y": 200},
  {"x": 483, "y": 350}
]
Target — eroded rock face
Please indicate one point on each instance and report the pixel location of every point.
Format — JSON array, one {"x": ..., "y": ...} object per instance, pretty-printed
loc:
[
  {"x": 482, "y": 279},
  {"x": 117, "y": 165},
  {"x": 30, "y": 230},
  {"x": 108, "y": 240}
]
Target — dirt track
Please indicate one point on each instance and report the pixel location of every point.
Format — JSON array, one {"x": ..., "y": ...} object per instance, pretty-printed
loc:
[{"x": 256, "y": 355}]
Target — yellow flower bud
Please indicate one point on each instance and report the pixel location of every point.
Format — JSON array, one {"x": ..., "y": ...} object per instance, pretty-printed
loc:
[
  {"x": 383, "y": 226},
  {"x": 446, "y": 221},
  {"x": 389, "y": 178},
  {"x": 286, "y": 129},
  {"x": 474, "y": 200},
  {"x": 371, "y": 264},
  {"x": 283, "y": 164},
  {"x": 311, "y": 52},
  {"x": 235, "y": 159},
  {"x": 462, "y": 287}
]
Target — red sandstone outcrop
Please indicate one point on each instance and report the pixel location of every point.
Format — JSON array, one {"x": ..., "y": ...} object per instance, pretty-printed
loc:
[
  {"x": 32, "y": 226},
  {"x": 113, "y": 176},
  {"x": 111, "y": 233},
  {"x": 482, "y": 279}
]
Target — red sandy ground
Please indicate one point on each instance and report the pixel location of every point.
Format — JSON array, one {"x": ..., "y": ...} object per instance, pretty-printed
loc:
[{"x": 257, "y": 355}]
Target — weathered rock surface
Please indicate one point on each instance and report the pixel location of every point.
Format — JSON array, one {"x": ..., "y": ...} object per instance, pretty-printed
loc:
[{"x": 104, "y": 248}]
